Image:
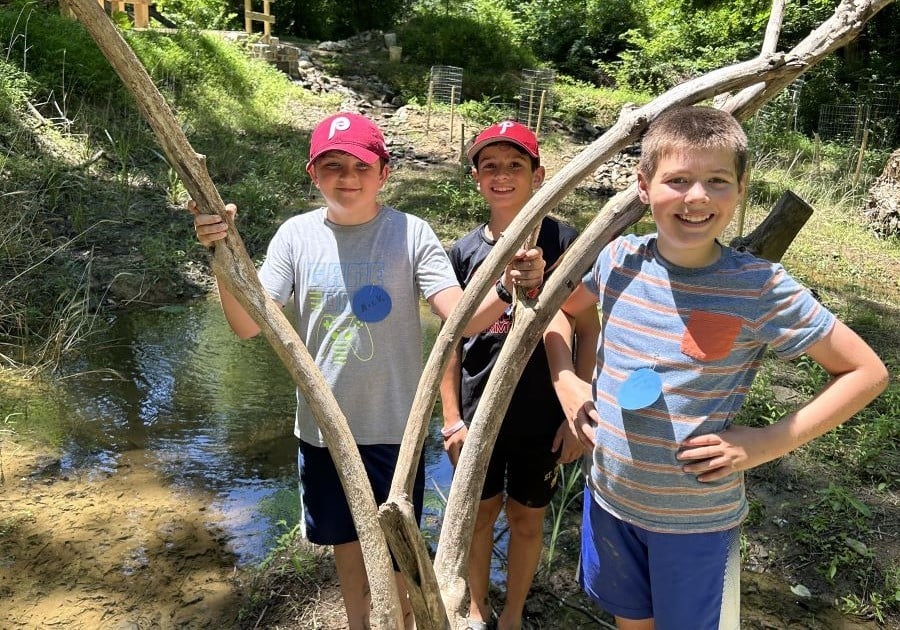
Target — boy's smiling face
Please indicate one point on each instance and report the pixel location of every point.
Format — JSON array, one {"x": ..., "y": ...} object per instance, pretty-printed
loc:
[
  {"x": 692, "y": 196},
  {"x": 349, "y": 185},
  {"x": 504, "y": 177}
]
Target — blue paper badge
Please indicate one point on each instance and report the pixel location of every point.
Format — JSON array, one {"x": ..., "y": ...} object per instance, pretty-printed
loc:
[
  {"x": 371, "y": 303},
  {"x": 640, "y": 389}
]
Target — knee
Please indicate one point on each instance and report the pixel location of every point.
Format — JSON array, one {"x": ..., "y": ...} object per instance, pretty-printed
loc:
[
  {"x": 488, "y": 511},
  {"x": 525, "y": 522}
]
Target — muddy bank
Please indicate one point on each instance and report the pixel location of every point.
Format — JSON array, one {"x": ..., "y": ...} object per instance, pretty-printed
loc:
[{"x": 117, "y": 548}]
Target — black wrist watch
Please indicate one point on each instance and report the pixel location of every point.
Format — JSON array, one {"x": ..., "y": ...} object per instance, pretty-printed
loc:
[{"x": 505, "y": 295}]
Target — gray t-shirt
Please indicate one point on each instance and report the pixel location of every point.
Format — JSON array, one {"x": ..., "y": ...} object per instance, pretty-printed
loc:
[{"x": 356, "y": 291}]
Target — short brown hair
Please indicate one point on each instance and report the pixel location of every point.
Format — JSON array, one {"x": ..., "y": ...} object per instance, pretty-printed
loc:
[{"x": 692, "y": 128}]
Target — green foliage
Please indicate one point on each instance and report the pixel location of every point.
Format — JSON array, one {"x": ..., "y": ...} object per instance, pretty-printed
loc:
[
  {"x": 575, "y": 36},
  {"x": 210, "y": 14},
  {"x": 492, "y": 58},
  {"x": 337, "y": 19},
  {"x": 58, "y": 54},
  {"x": 573, "y": 98},
  {"x": 679, "y": 39}
]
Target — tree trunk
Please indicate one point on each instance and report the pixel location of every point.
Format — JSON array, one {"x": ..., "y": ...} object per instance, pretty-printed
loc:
[
  {"x": 775, "y": 234},
  {"x": 882, "y": 208}
]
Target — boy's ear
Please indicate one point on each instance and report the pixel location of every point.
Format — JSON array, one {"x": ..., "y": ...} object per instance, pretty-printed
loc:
[
  {"x": 385, "y": 171},
  {"x": 537, "y": 178},
  {"x": 742, "y": 184},
  {"x": 643, "y": 188}
]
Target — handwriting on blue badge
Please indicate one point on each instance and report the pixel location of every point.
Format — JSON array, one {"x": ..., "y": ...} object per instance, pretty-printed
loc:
[
  {"x": 371, "y": 303},
  {"x": 640, "y": 389}
]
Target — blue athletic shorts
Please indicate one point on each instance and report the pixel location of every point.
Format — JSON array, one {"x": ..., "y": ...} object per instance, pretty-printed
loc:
[
  {"x": 326, "y": 515},
  {"x": 680, "y": 580}
]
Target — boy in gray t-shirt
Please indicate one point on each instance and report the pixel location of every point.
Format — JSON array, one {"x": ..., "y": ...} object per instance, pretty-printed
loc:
[{"x": 356, "y": 270}]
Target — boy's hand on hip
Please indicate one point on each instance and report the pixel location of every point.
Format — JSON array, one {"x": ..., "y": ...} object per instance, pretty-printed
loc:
[
  {"x": 717, "y": 455},
  {"x": 567, "y": 443},
  {"x": 584, "y": 423},
  {"x": 527, "y": 268},
  {"x": 210, "y": 227}
]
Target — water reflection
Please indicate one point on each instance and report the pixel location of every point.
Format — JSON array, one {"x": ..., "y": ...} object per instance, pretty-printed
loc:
[{"x": 212, "y": 413}]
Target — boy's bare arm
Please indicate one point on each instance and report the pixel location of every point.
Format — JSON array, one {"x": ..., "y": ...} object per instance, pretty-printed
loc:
[
  {"x": 858, "y": 376},
  {"x": 454, "y": 435},
  {"x": 526, "y": 271},
  {"x": 211, "y": 228},
  {"x": 572, "y": 385}
]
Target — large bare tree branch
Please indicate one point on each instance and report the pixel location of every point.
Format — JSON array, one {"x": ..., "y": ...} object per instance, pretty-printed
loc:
[{"x": 233, "y": 267}]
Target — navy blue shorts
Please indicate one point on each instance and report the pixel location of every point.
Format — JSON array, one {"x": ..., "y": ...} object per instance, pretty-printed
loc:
[
  {"x": 326, "y": 516},
  {"x": 680, "y": 580}
]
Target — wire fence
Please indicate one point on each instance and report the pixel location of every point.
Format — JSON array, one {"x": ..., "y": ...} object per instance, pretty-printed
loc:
[
  {"x": 535, "y": 97},
  {"x": 445, "y": 85},
  {"x": 874, "y": 115}
]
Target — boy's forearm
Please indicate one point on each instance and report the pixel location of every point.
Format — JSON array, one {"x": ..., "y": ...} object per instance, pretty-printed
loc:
[
  {"x": 587, "y": 334},
  {"x": 449, "y": 390},
  {"x": 858, "y": 377},
  {"x": 558, "y": 344},
  {"x": 237, "y": 317},
  {"x": 843, "y": 396}
]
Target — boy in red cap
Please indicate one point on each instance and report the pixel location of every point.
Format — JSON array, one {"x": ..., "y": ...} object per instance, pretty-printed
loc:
[
  {"x": 534, "y": 437},
  {"x": 356, "y": 270}
]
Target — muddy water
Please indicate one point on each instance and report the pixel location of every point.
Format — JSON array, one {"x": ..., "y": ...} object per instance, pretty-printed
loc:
[{"x": 173, "y": 469}]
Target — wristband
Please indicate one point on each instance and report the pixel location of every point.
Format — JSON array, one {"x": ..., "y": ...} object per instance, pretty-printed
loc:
[
  {"x": 504, "y": 295},
  {"x": 448, "y": 431}
]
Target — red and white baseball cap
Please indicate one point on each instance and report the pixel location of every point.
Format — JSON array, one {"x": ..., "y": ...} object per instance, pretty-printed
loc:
[
  {"x": 505, "y": 131},
  {"x": 352, "y": 133}
]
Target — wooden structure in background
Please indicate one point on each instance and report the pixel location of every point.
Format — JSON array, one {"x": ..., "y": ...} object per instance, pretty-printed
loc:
[
  {"x": 251, "y": 16},
  {"x": 141, "y": 10}
]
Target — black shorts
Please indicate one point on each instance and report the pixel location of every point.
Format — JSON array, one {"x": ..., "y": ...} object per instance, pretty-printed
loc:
[
  {"x": 326, "y": 516},
  {"x": 528, "y": 467}
]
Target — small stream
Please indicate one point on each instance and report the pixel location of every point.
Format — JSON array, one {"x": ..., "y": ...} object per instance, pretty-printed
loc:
[{"x": 212, "y": 413}]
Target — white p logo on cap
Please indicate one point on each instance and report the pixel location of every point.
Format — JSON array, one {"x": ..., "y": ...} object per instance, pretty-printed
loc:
[
  {"x": 341, "y": 123},
  {"x": 506, "y": 124}
]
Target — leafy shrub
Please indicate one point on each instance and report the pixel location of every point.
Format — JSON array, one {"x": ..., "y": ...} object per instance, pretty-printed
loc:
[
  {"x": 213, "y": 14},
  {"x": 575, "y": 36},
  {"x": 488, "y": 51}
]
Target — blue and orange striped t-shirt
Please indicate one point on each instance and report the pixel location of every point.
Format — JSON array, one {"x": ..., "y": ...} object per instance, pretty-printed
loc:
[{"x": 704, "y": 332}]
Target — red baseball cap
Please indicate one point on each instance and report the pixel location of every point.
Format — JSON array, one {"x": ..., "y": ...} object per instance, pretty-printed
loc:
[
  {"x": 352, "y": 133},
  {"x": 505, "y": 131}
]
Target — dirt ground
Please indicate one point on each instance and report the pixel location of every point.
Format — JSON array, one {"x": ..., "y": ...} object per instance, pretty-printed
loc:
[{"x": 124, "y": 549}]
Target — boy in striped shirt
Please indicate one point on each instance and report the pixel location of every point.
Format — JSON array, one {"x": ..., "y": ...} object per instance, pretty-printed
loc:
[{"x": 685, "y": 323}]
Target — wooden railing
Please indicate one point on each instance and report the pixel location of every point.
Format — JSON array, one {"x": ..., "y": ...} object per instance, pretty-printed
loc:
[
  {"x": 141, "y": 10},
  {"x": 251, "y": 16}
]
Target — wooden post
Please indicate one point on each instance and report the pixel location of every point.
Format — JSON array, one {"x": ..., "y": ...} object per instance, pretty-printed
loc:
[
  {"x": 537, "y": 127},
  {"x": 530, "y": 107},
  {"x": 862, "y": 153},
  {"x": 248, "y": 22},
  {"x": 772, "y": 237},
  {"x": 428, "y": 105},
  {"x": 452, "y": 109},
  {"x": 142, "y": 14}
]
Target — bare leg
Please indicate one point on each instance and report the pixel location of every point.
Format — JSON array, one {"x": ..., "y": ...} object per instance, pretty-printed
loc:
[
  {"x": 480, "y": 557},
  {"x": 526, "y": 539},
  {"x": 351, "y": 572},
  {"x": 634, "y": 624}
]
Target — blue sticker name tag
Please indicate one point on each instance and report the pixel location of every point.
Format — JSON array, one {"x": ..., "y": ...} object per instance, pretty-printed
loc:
[
  {"x": 640, "y": 389},
  {"x": 371, "y": 304}
]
